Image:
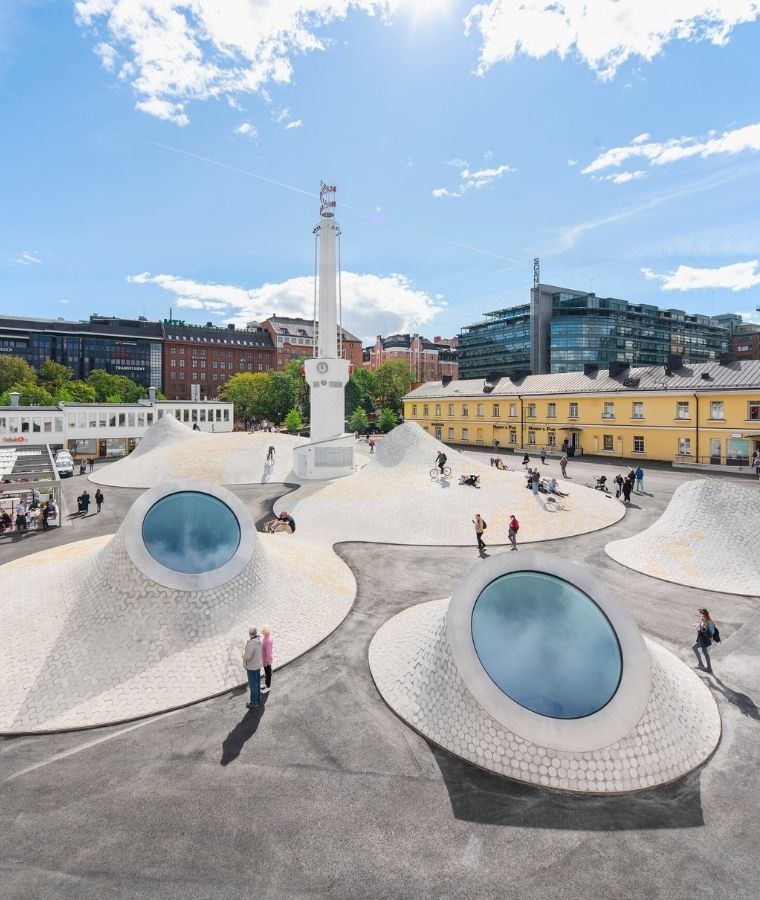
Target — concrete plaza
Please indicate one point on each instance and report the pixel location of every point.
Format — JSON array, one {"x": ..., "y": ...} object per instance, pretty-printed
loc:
[{"x": 324, "y": 792}]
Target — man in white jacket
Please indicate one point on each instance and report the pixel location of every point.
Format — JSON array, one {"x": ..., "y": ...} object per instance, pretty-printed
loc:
[{"x": 252, "y": 660}]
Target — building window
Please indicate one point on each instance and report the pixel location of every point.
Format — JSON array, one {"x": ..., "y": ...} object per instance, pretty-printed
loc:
[
  {"x": 551, "y": 439},
  {"x": 172, "y": 362},
  {"x": 572, "y": 410},
  {"x": 513, "y": 409},
  {"x": 753, "y": 410},
  {"x": 609, "y": 410},
  {"x": 638, "y": 443},
  {"x": 131, "y": 420},
  {"x": 465, "y": 434},
  {"x": 551, "y": 410},
  {"x": 425, "y": 410},
  {"x": 496, "y": 413},
  {"x": 480, "y": 410},
  {"x": 684, "y": 446},
  {"x": 414, "y": 409},
  {"x": 438, "y": 409},
  {"x": 451, "y": 409},
  {"x": 531, "y": 437},
  {"x": 465, "y": 409},
  {"x": 607, "y": 442},
  {"x": 716, "y": 409},
  {"x": 451, "y": 434},
  {"x": 512, "y": 435},
  {"x": 682, "y": 409},
  {"x": 637, "y": 409},
  {"x": 532, "y": 410}
]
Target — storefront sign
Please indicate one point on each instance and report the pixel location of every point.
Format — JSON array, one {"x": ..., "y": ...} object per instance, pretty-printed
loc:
[{"x": 17, "y": 439}]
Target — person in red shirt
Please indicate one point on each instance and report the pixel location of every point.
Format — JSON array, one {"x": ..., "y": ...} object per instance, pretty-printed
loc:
[{"x": 514, "y": 527}]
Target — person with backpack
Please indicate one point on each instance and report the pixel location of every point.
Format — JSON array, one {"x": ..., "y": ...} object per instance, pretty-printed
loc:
[
  {"x": 707, "y": 632},
  {"x": 514, "y": 527},
  {"x": 480, "y": 526}
]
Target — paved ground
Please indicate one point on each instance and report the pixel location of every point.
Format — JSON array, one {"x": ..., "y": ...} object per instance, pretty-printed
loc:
[{"x": 325, "y": 793}]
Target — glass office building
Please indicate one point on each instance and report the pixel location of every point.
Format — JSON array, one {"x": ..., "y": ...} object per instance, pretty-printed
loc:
[
  {"x": 130, "y": 347},
  {"x": 562, "y": 330},
  {"x": 500, "y": 345}
]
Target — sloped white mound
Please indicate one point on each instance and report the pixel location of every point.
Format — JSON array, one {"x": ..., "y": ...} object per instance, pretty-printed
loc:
[
  {"x": 231, "y": 458},
  {"x": 706, "y": 538},
  {"x": 394, "y": 500},
  {"x": 164, "y": 432},
  {"x": 100, "y": 641}
]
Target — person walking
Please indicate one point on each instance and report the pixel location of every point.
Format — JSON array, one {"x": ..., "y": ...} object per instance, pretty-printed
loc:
[
  {"x": 92, "y": 464},
  {"x": 99, "y": 498},
  {"x": 514, "y": 527},
  {"x": 705, "y": 633},
  {"x": 252, "y": 660},
  {"x": 526, "y": 460},
  {"x": 21, "y": 517},
  {"x": 270, "y": 454},
  {"x": 627, "y": 488},
  {"x": 371, "y": 446},
  {"x": 563, "y": 466},
  {"x": 480, "y": 527},
  {"x": 756, "y": 462},
  {"x": 85, "y": 501},
  {"x": 618, "y": 485},
  {"x": 639, "y": 480},
  {"x": 266, "y": 656},
  {"x": 536, "y": 482},
  {"x": 543, "y": 455}
]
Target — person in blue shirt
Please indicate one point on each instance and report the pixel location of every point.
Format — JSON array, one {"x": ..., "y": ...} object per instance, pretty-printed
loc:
[
  {"x": 705, "y": 632},
  {"x": 639, "y": 480}
]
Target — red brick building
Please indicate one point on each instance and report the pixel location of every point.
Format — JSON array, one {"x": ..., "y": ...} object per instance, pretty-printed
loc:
[
  {"x": 209, "y": 355},
  {"x": 430, "y": 360},
  {"x": 745, "y": 342},
  {"x": 293, "y": 338}
]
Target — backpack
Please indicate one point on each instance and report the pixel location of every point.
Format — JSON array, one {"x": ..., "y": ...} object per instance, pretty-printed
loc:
[
  {"x": 484, "y": 525},
  {"x": 716, "y": 634}
]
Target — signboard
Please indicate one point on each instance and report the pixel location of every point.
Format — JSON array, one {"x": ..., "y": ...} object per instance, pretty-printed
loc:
[{"x": 15, "y": 439}]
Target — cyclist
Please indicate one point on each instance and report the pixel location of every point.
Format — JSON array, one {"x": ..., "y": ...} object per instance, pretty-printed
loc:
[
  {"x": 270, "y": 454},
  {"x": 440, "y": 461}
]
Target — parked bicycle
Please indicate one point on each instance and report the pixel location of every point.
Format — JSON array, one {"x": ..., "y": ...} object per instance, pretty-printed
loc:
[{"x": 554, "y": 504}]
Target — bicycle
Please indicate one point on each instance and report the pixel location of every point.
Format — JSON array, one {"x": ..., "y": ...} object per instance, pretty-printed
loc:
[
  {"x": 555, "y": 504},
  {"x": 436, "y": 473}
]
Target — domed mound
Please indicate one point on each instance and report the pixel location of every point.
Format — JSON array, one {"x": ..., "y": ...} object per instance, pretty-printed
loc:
[
  {"x": 411, "y": 445},
  {"x": 704, "y": 539},
  {"x": 155, "y": 616},
  {"x": 164, "y": 432}
]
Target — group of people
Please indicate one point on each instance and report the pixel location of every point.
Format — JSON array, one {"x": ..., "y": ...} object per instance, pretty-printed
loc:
[
  {"x": 562, "y": 462},
  {"x": 625, "y": 485},
  {"x": 258, "y": 654},
  {"x": 534, "y": 482},
  {"x": 498, "y": 463},
  {"x": 83, "y": 501},
  {"x": 480, "y": 526},
  {"x": 47, "y": 510},
  {"x": 283, "y": 522}
]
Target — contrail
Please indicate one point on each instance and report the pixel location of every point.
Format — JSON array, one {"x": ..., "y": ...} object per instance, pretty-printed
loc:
[{"x": 348, "y": 206}]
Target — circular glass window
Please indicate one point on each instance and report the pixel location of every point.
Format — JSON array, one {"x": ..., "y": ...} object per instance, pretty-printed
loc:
[
  {"x": 547, "y": 645},
  {"x": 191, "y": 532}
]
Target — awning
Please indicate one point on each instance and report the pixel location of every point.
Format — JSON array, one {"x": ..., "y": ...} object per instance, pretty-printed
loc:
[
  {"x": 749, "y": 434},
  {"x": 569, "y": 428}
]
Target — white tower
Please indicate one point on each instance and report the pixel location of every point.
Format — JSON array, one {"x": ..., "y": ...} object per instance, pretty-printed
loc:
[{"x": 331, "y": 452}]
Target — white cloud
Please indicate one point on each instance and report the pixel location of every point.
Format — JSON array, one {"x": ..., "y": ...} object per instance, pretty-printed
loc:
[
  {"x": 29, "y": 258},
  {"x": 163, "y": 109},
  {"x": 735, "y": 277},
  {"x": 572, "y": 162},
  {"x": 602, "y": 33},
  {"x": 750, "y": 316},
  {"x": 471, "y": 180},
  {"x": 372, "y": 304},
  {"x": 107, "y": 55},
  {"x": 177, "y": 51},
  {"x": 456, "y": 162},
  {"x": 246, "y": 129},
  {"x": 662, "y": 153},
  {"x": 296, "y": 123},
  {"x": 63, "y": 301},
  {"x": 621, "y": 177}
]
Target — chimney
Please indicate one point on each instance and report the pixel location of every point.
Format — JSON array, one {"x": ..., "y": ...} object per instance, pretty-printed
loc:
[
  {"x": 152, "y": 395},
  {"x": 14, "y": 398}
]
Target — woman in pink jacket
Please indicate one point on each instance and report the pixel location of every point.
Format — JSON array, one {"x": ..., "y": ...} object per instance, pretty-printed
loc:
[{"x": 266, "y": 650}]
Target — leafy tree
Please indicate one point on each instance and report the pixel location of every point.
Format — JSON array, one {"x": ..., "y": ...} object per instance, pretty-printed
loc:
[
  {"x": 394, "y": 379},
  {"x": 30, "y": 395},
  {"x": 53, "y": 376},
  {"x": 246, "y": 391},
  {"x": 359, "y": 420},
  {"x": 293, "y": 420},
  {"x": 15, "y": 371},
  {"x": 81, "y": 392},
  {"x": 280, "y": 396},
  {"x": 293, "y": 370},
  {"x": 107, "y": 386},
  {"x": 361, "y": 391},
  {"x": 386, "y": 420}
]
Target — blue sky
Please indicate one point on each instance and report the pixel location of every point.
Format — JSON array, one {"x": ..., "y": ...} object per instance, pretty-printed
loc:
[{"x": 159, "y": 154}]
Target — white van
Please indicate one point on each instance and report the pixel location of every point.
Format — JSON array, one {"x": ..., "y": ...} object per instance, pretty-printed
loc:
[{"x": 64, "y": 464}]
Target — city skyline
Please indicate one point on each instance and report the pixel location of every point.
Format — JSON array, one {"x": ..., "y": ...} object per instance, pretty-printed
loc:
[{"x": 169, "y": 159}]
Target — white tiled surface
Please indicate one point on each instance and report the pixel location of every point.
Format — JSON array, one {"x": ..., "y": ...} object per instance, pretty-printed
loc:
[
  {"x": 393, "y": 500},
  {"x": 172, "y": 450},
  {"x": 415, "y": 673},
  {"x": 706, "y": 538},
  {"x": 86, "y": 638}
]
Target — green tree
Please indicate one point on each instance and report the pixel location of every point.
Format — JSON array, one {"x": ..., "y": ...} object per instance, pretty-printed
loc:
[
  {"x": 394, "y": 379},
  {"x": 54, "y": 377},
  {"x": 81, "y": 392},
  {"x": 280, "y": 396},
  {"x": 107, "y": 386},
  {"x": 29, "y": 395},
  {"x": 387, "y": 419},
  {"x": 293, "y": 370},
  {"x": 361, "y": 391},
  {"x": 247, "y": 392},
  {"x": 293, "y": 420},
  {"x": 15, "y": 371},
  {"x": 359, "y": 420}
]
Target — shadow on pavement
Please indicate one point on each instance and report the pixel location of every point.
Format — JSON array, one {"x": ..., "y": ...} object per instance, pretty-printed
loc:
[
  {"x": 745, "y": 704},
  {"x": 479, "y": 796},
  {"x": 242, "y": 732}
]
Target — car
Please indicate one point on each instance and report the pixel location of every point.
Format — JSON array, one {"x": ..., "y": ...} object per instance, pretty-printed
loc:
[{"x": 64, "y": 464}]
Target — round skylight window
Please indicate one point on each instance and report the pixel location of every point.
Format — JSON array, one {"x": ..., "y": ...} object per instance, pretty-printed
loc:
[
  {"x": 191, "y": 532},
  {"x": 546, "y": 645}
]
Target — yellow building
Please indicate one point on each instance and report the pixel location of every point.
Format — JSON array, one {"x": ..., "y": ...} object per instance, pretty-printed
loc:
[{"x": 706, "y": 413}]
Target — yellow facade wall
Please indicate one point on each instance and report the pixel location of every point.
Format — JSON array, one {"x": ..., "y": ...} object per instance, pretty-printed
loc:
[{"x": 711, "y": 427}]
